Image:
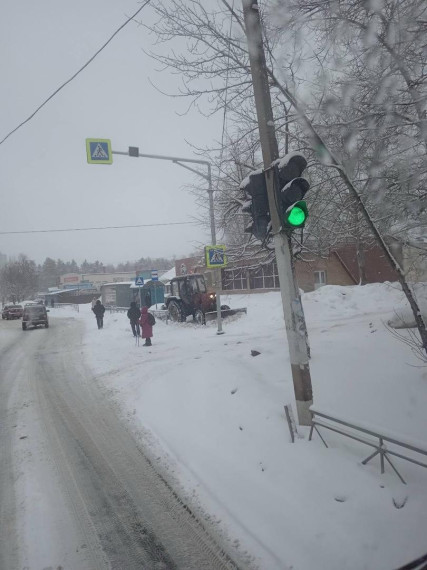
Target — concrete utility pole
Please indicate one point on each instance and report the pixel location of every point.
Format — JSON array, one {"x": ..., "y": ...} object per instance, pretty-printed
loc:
[{"x": 292, "y": 308}]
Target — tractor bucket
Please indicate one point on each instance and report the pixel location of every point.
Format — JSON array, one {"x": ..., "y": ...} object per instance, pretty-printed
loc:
[{"x": 212, "y": 315}]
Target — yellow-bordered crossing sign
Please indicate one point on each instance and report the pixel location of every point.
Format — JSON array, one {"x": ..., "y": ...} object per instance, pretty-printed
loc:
[
  {"x": 215, "y": 256},
  {"x": 99, "y": 151}
]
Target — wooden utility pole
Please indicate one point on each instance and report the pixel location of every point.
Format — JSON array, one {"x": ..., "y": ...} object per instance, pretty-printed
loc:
[{"x": 296, "y": 329}]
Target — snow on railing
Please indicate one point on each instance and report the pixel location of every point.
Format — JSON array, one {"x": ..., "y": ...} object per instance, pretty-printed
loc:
[{"x": 61, "y": 305}]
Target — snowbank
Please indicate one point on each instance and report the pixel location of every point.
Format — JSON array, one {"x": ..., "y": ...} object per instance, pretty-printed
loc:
[{"x": 213, "y": 416}]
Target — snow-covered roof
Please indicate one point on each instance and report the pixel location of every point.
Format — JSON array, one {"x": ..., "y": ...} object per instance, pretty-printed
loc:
[
  {"x": 53, "y": 292},
  {"x": 146, "y": 281},
  {"x": 117, "y": 283},
  {"x": 168, "y": 275}
]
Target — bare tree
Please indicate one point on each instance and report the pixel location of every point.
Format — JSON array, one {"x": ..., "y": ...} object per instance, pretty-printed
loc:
[
  {"x": 18, "y": 279},
  {"x": 215, "y": 71}
]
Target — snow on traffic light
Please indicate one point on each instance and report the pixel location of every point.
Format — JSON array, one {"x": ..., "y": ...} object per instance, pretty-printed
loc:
[{"x": 290, "y": 190}]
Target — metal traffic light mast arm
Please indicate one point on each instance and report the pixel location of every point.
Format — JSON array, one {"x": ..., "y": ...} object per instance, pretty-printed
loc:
[
  {"x": 134, "y": 152},
  {"x": 179, "y": 160}
]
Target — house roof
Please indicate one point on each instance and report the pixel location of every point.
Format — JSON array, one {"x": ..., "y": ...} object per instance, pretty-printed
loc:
[
  {"x": 165, "y": 277},
  {"x": 117, "y": 283}
]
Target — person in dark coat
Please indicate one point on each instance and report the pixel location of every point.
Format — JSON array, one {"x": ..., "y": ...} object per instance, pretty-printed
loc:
[
  {"x": 99, "y": 311},
  {"x": 147, "y": 329},
  {"x": 134, "y": 314}
]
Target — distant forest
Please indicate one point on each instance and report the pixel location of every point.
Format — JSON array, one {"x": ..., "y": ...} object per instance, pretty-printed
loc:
[
  {"x": 21, "y": 278},
  {"x": 50, "y": 270}
]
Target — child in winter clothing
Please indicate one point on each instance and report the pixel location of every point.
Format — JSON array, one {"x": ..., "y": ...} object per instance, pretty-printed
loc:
[{"x": 147, "y": 328}]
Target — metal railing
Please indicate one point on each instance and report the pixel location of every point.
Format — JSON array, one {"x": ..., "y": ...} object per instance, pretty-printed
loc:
[
  {"x": 158, "y": 313},
  {"x": 114, "y": 309},
  {"x": 61, "y": 305},
  {"x": 334, "y": 424}
]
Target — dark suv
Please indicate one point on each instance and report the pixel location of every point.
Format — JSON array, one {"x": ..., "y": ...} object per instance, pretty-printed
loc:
[
  {"x": 34, "y": 315},
  {"x": 12, "y": 312}
]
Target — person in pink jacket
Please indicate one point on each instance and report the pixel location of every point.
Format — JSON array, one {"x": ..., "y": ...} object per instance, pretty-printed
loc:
[{"x": 146, "y": 322}]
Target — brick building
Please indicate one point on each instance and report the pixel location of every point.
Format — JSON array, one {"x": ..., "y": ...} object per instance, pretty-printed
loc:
[{"x": 339, "y": 268}]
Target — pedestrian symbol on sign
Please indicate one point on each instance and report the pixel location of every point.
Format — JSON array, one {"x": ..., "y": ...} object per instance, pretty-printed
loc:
[
  {"x": 98, "y": 151},
  {"x": 215, "y": 256}
]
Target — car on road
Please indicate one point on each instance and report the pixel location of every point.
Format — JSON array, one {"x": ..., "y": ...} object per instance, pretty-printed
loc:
[
  {"x": 33, "y": 316},
  {"x": 12, "y": 312}
]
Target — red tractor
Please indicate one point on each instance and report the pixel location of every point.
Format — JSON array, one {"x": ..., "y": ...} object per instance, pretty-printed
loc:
[{"x": 190, "y": 296}]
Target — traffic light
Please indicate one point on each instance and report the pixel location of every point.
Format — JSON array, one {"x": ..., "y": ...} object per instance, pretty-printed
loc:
[
  {"x": 291, "y": 191},
  {"x": 256, "y": 204}
]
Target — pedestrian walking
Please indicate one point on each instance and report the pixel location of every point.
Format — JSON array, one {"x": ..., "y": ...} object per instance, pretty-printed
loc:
[
  {"x": 146, "y": 321},
  {"x": 99, "y": 311},
  {"x": 134, "y": 314}
]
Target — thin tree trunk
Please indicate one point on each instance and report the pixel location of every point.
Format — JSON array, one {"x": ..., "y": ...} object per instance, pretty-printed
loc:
[{"x": 360, "y": 251}]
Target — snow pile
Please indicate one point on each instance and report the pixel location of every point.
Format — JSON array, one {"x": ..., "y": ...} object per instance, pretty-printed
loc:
[
  {"x": 213, "y": 416},
  {"x": 403, "y": 316}
]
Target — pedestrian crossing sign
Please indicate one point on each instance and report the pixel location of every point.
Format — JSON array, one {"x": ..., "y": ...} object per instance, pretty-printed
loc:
[
  {"x": 139, "y": 281},
  {"x": 99, "y": 151},
  {"x": 215, "y": 256}
]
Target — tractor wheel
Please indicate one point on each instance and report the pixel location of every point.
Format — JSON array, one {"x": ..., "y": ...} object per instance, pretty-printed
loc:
[
  {"x": 199, "y": 317},
  {"x": 24, "y": 326},
  {"x": 175, "y": 312}
]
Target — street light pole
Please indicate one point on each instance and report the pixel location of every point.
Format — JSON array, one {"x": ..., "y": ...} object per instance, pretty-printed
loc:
[
  {"x": 217, "y": 271},
  {"x": 134, "y": 151}
]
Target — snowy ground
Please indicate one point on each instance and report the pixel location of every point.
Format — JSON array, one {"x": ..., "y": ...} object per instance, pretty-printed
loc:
[{"x": 213, "y": 414}]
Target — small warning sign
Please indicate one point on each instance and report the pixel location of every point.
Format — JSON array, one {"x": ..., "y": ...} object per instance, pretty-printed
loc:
[
  {"x": 215, "y": 256},
  {"x": 99, "y": 151}
]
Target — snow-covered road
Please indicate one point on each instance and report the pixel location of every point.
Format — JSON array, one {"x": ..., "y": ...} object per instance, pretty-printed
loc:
[{"x": 76, "y": 490}]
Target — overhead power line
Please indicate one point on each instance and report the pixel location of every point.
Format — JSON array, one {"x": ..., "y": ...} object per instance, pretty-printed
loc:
[
  {"x": 98, "y": 228},
  {"x": 77, "y": 73}
]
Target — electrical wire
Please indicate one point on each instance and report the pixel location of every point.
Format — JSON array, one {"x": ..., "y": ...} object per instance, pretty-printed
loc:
[
  {"x": 97, "y": 228},
  {"x": 77, "y": 73}
]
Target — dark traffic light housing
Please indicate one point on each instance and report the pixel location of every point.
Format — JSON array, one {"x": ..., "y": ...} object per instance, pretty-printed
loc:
[
  {"x": 256, "y": 204},
  {"x": 291, "y": 189}
]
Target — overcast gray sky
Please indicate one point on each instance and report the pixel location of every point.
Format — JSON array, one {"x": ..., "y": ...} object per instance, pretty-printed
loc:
[{"x": 45, "y": 179}]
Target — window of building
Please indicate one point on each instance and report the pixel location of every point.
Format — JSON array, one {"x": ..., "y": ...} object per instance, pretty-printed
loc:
[
  {"x": 234, "y": 279},
  {"x": 319, "y": 279},
  {"x": 261, "y": 277},
  {"x": 256, "y": 278},
  {"x": 264, "y": 277}
]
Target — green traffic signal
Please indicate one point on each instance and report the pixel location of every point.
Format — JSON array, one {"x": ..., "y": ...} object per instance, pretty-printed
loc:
[{"x": 296, "y": 215}]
